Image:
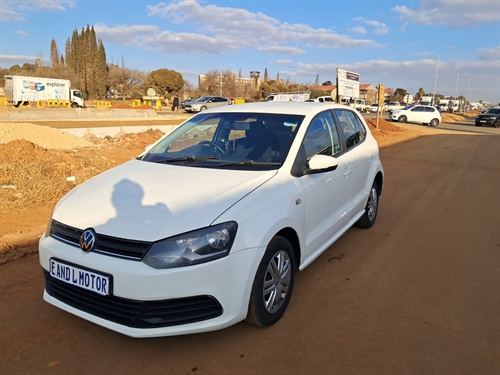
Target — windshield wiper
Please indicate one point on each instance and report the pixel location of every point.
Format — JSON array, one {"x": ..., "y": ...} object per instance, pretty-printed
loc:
[
  {"x": 249, "y": 163},
  {"x": 189, "y": 158}
]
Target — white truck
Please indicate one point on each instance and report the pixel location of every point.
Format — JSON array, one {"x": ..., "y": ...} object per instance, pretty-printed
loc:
[
  {"x": 393, "y": 106},
  {"x": 21, "y": 89},
  {"x": 359, "y": 104},
  {"x": 296, "y": 97},
  {"x": 449, "y": 105},
  {"x": 427, "y": 100}
]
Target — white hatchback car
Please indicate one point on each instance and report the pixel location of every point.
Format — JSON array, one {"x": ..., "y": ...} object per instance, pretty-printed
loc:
[
  {"x": 422, "y": 114},
  {"x": 210, "y": 225}
]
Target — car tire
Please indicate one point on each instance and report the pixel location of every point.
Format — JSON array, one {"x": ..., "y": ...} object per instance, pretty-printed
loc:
[
  {"x": 479, "y": 124},
  {"x": 371, "y": 208},
  {"x": 434, "y": 122},
  {"x": 203, "y": 109},
  {"x": 496, "y": 124},
  {"x": 402, "y": 119},
  {"x": 273, "y": 284},
  {"x": 74, "y": 105}
]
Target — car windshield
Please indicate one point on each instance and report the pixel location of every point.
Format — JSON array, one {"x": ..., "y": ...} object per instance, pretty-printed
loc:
[
  {"x": 494, "y": 111},
  {"x": 203, "y": 99},
  {"x": 228, "y": 140}
]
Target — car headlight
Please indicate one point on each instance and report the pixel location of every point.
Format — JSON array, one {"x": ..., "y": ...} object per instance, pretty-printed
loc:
[
  {"x": 199, "y": 246},
  {"x": 195, "y": 107}
]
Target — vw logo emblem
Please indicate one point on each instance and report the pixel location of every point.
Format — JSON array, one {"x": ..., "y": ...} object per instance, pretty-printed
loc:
[{"x": 87, "y": 240}]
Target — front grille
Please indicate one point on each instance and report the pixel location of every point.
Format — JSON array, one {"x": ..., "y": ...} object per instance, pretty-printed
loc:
[
  {"x": 132, "y": 313},
  {"x": 117, "y": 247}
]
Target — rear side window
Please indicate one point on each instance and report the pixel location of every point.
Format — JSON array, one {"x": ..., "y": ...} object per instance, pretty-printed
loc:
[{"x": 351, "y": 126}]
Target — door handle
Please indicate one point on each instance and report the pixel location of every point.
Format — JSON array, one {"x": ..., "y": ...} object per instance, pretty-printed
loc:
[{"x": 347, "y": 172}]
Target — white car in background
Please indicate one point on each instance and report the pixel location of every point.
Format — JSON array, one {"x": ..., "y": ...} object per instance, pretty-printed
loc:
[
  {"x": 374, "y": 108},
  {"x": 421, "y": 114},
  {"x": 211, "y": 224}
]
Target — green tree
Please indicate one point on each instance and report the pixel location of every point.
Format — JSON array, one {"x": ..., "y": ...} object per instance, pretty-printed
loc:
[{"x": 163, "y": 80}]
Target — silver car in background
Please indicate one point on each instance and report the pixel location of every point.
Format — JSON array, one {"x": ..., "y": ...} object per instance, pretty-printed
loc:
[{"x": 205, "y": 102}]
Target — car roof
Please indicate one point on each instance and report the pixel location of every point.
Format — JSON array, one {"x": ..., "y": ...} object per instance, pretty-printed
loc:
[{"x": 294, "y": 108}]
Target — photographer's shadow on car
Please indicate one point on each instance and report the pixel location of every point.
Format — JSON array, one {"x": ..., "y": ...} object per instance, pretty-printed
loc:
[{"x": 127, "y": 199}]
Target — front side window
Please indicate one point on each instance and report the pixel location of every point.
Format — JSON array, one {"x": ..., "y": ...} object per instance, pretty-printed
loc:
[
  {"x": 322, "y": 137},
  {"x": 351, "y": 126}
]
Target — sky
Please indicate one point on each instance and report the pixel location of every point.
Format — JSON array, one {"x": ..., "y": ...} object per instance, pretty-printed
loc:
[{"x": 448, "y": 47}]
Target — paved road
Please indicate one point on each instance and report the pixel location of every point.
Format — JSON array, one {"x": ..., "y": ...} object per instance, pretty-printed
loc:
[{"x": 416, "y": 294}]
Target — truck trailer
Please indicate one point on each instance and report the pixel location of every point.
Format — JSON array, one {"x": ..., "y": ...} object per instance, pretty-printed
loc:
[{"x": 21, "y": 90}]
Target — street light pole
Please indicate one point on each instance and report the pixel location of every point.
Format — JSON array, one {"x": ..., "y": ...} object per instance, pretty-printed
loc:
[
  {"x": 298, "y": 78},
  {"x": 220, "y": 80}
]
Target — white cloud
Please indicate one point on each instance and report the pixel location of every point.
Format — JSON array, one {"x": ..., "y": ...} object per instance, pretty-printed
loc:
[
  {"x": 456, "y": 13},
  {"x": 489, "y": 54},
  {"x": 49, "y": 4},
  {"x": 6, "y": 61},
  {"x": 9, "y": 15},
  {"x": 122, "y": 34},
  {"x": 22, "y": 33},
  {"x": 234, "y": 28},
  {"x": 284, "y": 62},
  {"x": 16, "y": 11},
  {"x": 282, "y": 50},
  {"x": 380, "y": 28},
  {"x": 358, "y": 30}
]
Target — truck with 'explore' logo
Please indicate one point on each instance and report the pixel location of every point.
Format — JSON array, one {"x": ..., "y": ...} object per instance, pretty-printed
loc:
[{"x": 22, "y": 90}]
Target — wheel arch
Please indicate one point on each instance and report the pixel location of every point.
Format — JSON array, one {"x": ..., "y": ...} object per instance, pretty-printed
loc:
[
  {"x": 291, "y": 235},
  {"x": 379, "y": 179}
]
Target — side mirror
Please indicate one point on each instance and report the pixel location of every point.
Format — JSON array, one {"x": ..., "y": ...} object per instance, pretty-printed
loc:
[{"x": 321, "y": 164}]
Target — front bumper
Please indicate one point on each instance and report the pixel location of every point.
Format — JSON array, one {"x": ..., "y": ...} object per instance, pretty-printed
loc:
[{"x": 222, "y": 288}]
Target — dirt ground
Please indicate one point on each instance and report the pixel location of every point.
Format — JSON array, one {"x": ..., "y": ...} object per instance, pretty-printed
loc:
[{"x": 40, "y": 163}]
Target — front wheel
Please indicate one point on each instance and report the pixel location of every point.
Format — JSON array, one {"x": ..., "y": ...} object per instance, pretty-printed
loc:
[
  {"x": 273, "y": 284},
  {"x": 371, "y": 208},
  {"x": 434, "y": 122},
  {"x": 203, "y": 108},
  {"x": 402, "y": 119},
  {"x": 74, "y": 105},
  {"x": 496, "y": 124}
]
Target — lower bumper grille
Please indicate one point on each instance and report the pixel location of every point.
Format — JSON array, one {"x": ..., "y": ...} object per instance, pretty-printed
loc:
[{"x": 132, "y": 313}]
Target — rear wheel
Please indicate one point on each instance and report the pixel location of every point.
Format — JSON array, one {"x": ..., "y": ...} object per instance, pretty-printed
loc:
[
  {"x": 273, "y": 284},
  {"x": 434, "y": 122},
  {"x": 371, "y": 208},
  {"x": 402, "y": 119}
]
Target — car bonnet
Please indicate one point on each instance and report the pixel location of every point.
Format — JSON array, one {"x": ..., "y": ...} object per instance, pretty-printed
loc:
[{"x": 149, "y": 201}]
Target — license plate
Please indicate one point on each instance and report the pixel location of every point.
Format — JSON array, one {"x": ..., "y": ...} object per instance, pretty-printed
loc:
[
  {"x": 482, "y": 120},
  {"x": 82, "y": 278}
]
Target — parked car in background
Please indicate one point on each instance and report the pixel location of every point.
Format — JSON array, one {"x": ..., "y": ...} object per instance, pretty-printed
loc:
[
  {"x": 489, "y": 117},
  {"x": 205, "y": 102},
  {"x": 374, "y": 108},
  {"x": 211, "y": 224},
  {"x": 186, "y": 101},
  {"x": 393, "y": 106},
  {"x": 422, "y": 114},
  {"x": 322, "y": 99}
]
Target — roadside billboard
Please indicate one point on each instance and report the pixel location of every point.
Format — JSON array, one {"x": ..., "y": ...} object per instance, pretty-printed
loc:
[{"x": 347, "y": 83}]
